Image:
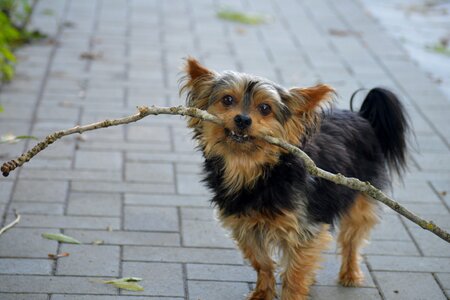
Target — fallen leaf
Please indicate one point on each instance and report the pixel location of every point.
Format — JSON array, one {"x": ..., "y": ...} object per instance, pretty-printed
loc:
[
  {"x": 91, "y": 55},
  {"x": 241, "y": 17},
  {"x": 340, "y": 32},
  {"x": 109, "y": 228},
  {"x": 443, "y": 193},
  {"x": 60, "y": 238},
  {"x": 126, "y": 283},
  {"x": 10, "y": 138},
  {"x": 56, "y": 256},
  {"x": 98, "y": 242}
]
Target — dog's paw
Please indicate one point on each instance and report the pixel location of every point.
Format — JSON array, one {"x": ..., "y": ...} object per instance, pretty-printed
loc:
[{"x": 351, "y": 279}]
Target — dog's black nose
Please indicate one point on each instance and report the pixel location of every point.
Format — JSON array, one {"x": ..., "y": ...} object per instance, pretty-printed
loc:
[{"x": 242, "y": 121}]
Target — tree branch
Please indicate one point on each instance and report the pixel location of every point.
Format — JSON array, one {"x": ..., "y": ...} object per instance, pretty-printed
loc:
[{"x": 144, "y": 111}]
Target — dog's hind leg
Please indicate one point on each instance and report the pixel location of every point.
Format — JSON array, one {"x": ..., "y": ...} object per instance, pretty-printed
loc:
[
  {"x": 355, "y": 227},
  {"x": 300, "y": 262}
]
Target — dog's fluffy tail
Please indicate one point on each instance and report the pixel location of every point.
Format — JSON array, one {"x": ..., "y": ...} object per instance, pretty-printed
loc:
[{"x": 388, "y": 118}]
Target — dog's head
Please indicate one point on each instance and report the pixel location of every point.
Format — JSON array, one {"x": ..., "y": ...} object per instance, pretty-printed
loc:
[{"x": 249, "y": 106}]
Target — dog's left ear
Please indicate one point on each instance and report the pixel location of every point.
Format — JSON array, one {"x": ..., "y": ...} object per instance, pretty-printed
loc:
[{"x": 305, "y": 100}]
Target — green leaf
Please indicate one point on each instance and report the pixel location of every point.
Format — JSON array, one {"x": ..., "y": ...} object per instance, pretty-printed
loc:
[
  {"x": 127, "y": 283},
  {"x": 240, "y": 17},
  {"x": 7, "y": 72},
  {"x": 11, "y": 138},
  {"x": 25, "y": 137},
  {"x": 2, "y": 109},
  {"x": 60, "y": 238},
  {"x": 125, "y": 279}
]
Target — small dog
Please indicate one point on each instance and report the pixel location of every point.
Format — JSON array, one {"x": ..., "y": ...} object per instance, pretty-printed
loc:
[{"x": 264, "y": 195}]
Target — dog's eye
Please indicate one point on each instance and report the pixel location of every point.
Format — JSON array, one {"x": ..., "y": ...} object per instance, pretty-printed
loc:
[
  {"x": 265, "y": 109},
  {"x": 227, "y": 100}
]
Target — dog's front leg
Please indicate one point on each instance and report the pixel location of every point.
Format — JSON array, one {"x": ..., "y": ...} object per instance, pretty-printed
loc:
[
  {"x": 258, "y": 255},
  {"x": 300, "y": 262}
]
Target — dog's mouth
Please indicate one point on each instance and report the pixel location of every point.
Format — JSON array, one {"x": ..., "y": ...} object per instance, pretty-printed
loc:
[{"x": 237, "y": 136}]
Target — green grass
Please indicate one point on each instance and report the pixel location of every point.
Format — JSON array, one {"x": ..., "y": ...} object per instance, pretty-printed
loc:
[{"x": 241, "y": 17}]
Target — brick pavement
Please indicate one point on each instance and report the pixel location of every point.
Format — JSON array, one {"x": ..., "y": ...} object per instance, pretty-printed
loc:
[{"x": 137, "y": 187}]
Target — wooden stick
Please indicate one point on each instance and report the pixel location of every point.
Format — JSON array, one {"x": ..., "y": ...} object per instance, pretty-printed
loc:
[{"x": 144, "y": 111}]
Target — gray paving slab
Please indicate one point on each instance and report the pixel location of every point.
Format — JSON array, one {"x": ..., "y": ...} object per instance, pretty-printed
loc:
[
  {"x": 151, "y": 218},
  {"x": 29, "y": 245},
  {"x": 182, "y": 254},
  {"x": 94, "y": 204},
  {"x": 217, "y": 290},
  {"x": 137, "y": 187},
  {"x": 398, "y": 285},
  {"x": 161, "y": 279},
  {"x": 89, "y": 260},
  {"x": 128, "y": 237},
  {"x": 220, "y": 272},
  {"x": 26, "y": 266},
  {"x": 5, "y": 296},
  {"x": 40, "y": 190}
]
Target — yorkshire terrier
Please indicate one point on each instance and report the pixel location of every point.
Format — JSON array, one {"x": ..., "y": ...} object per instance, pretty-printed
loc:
[{"x": 264, "y": 195}]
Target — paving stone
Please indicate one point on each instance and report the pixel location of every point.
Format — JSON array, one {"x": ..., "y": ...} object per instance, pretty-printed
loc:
[
  {"x": 200, "y": 229},
  {"x": 25, "y": 266},
  {"x": 151, "y": 218},
  {"x": 129, "y": 187},
  {"x": 412, "y": 264},
  {"x": 94, "y": 204},
  {"x": 89, "y": 260},
  {"x": 98, "y": 160},
  {"x": 30, "y": 244},
  {"x": 153, "y": 172},
  {"x": 329, "y": 273},
  {"x": 220, "y": 272},
  {"x": 149, "y": 133},
  {"x": 444, "y": 280},
  {"x": 430, "y": 244},
  {"x": 176, "y": 254},
  {"x": 71, "y": 174},
  {"x": 191, "y": 184},
  {"x": 343, "y": 293},
  {"x": 6, "y": 188},
  {"x": 163, "y": 157},
  {"x": 40, "y": 190},
  {"x": 53, "y": 284},
  {"x": 5, "y": 296},
  {"x": 100, "y": 297},
  {"x": 126, "y": 237},
  {"x": 166, "y": 200},
  {"x": 161, "y": 279},
  {"x": 397, "y": 285},
  {"x": 390, "y": 228},
  {"x": 37, "y": 208},
  {"x": 217, "y": 290},
  {"x": 69, "y": 222},
  {"x": 129, "y": 146},
  {"x": 379, "y": 247}
]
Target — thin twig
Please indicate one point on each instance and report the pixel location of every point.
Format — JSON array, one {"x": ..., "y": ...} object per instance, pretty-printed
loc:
[
  {"x": 353, "y": 183},
  {"x": 12, "y": 224}
]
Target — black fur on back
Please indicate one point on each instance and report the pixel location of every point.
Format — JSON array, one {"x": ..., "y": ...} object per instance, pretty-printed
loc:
[{"x": 388, "y": 118}]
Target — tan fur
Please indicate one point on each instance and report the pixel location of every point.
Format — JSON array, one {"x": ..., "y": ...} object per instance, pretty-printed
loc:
[
  {"x": 354, "y": 229},
  {"x": 300, "y": 264},
  {"x": 259, "y": 235}
]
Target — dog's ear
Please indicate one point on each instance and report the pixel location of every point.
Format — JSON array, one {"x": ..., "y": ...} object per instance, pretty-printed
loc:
[
  {"x": 194, "y": 70},
  {"x": 306, "y": 100},
  {"x": 197, "y": 83}
]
